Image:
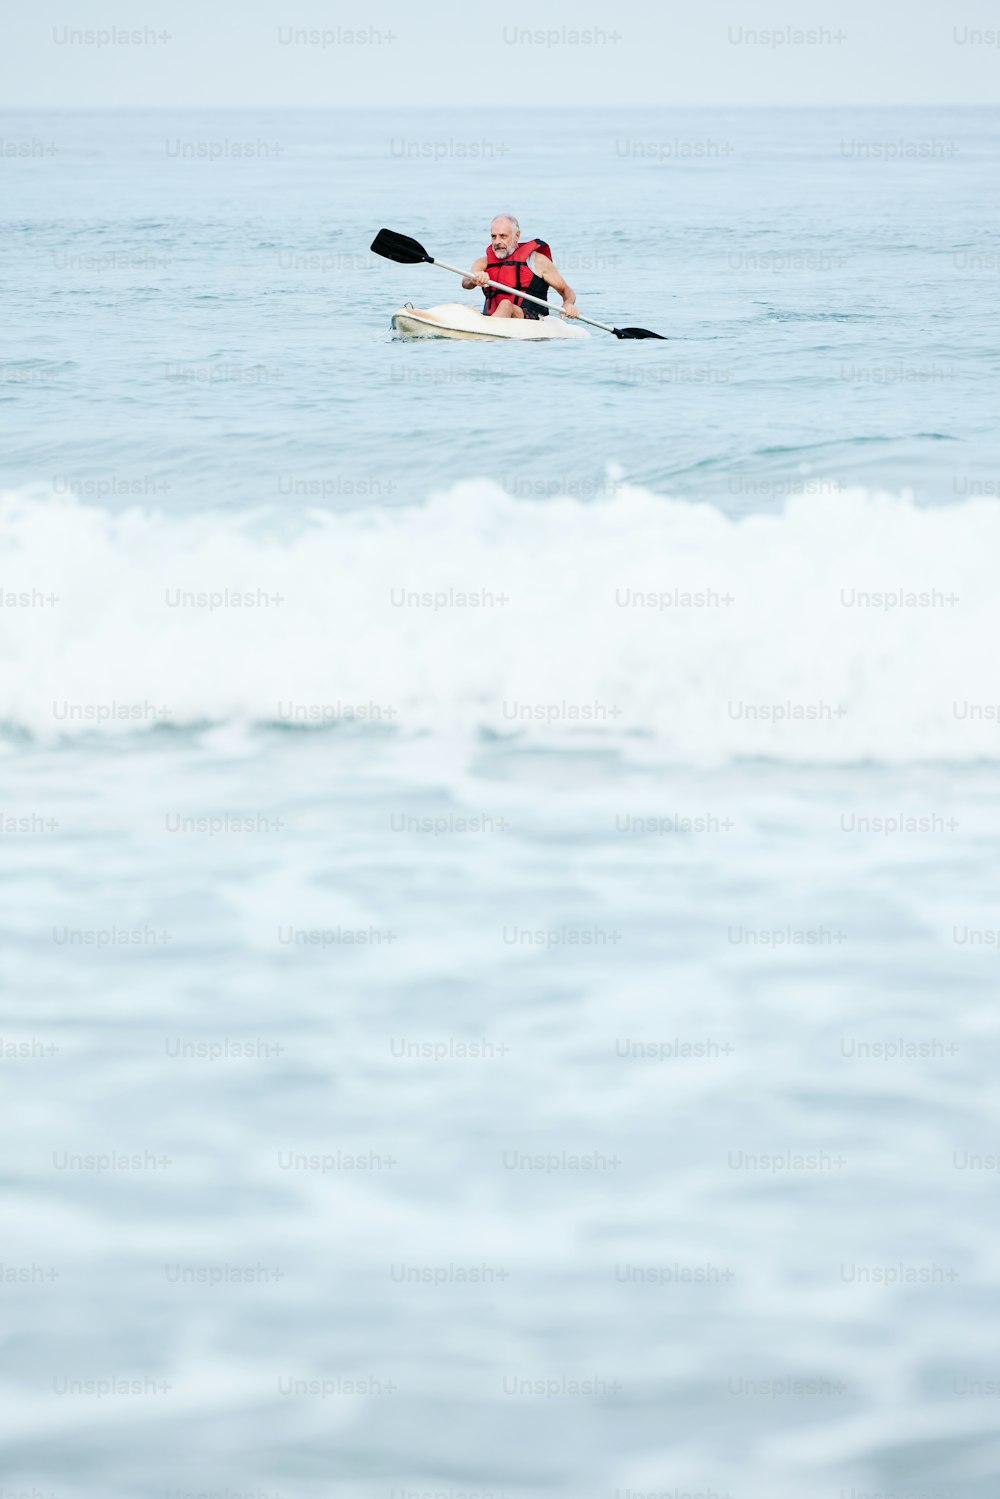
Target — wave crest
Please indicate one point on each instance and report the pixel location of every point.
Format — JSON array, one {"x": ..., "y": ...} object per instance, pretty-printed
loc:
[{"x": 853, "y": 625}]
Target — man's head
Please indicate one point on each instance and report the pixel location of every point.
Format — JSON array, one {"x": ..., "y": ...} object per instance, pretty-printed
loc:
[{"x": 505, "y": 232}]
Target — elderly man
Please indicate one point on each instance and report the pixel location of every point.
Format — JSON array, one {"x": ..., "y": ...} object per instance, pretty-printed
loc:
[{"x": 523, "y": 267}]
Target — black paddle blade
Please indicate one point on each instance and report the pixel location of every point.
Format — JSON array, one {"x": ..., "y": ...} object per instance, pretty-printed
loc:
[
  {"x": 636, "y": 333},
  {"x": 399, "y": 247}
]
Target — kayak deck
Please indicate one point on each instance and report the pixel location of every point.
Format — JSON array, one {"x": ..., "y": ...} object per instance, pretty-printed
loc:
[{"x": 457, "y": 320}]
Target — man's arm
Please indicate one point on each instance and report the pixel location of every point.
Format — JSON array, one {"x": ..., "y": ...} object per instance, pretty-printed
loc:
[
  {"x": 548, "y": 272},
  {"x": 478, "y": 266}
]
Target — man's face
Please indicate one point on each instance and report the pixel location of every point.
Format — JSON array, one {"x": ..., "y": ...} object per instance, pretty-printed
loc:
[{"x": 504, "y": 238}]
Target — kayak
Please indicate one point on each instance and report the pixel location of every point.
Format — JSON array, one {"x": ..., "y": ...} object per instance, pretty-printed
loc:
[{"x": 457, "y": 320}]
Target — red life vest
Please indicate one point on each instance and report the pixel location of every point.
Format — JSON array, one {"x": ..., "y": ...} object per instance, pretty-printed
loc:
[{"x": 517, "y": 274}]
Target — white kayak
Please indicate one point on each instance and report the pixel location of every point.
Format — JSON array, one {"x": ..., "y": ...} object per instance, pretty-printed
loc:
[{"x": 456, "y": 320}]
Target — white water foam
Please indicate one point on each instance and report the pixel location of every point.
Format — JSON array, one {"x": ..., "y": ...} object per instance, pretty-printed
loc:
[{"x": 753, "y": 637}]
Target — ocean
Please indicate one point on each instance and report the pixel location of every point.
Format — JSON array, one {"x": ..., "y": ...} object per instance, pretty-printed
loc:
[{"x": 500, "y": 932}]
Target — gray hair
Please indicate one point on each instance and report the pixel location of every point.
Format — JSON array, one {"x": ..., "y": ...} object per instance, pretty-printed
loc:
[{"x": 510, "y": 220}]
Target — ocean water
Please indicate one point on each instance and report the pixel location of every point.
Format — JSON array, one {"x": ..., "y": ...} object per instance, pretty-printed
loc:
[{"x": 500, "y": 925}]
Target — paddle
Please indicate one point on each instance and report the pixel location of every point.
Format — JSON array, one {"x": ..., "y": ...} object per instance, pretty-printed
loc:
[{"x": 407, "y": 251}]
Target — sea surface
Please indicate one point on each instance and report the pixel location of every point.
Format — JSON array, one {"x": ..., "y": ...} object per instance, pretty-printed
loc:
[{"x": 500, "y": 925}]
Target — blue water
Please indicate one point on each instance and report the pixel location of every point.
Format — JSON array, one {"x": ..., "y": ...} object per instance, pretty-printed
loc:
[
  {"x": 217, "y": 325},
  {"x": 554, "y": 787}
]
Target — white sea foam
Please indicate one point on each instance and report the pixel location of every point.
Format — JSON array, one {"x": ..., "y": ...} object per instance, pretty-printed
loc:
[{"x": 853, "y": 625}]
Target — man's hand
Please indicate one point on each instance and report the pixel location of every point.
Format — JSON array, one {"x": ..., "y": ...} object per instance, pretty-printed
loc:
[
  {"x": 481, "y": 279},
  {"x": 558, "y": 282}
]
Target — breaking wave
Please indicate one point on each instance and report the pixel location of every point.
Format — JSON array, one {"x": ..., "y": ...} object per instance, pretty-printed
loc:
[{"x": 854, "y": 625}]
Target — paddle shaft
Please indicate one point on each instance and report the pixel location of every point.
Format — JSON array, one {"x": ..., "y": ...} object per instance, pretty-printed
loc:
[{"x": 522, "y": 296}]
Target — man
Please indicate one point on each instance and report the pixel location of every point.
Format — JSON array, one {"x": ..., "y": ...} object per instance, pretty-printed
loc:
[{"x": 526, "y": 268}]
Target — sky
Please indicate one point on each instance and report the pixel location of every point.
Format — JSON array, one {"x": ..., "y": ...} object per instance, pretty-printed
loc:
[{"x": 298, "y": 53}]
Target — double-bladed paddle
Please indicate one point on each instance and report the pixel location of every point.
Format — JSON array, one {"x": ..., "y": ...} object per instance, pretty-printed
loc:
[{"x": 407, "y": 251}]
